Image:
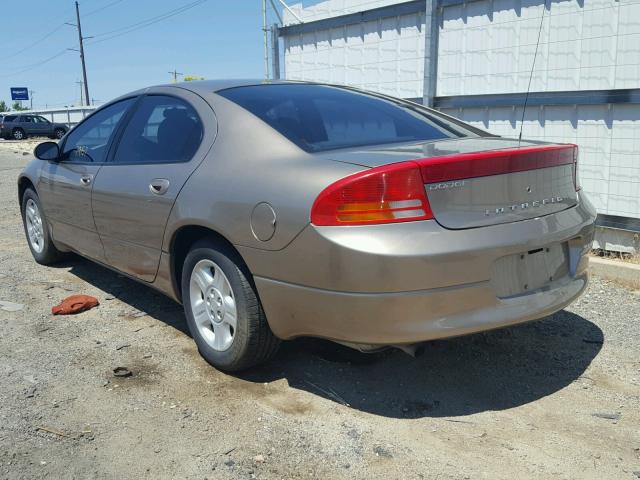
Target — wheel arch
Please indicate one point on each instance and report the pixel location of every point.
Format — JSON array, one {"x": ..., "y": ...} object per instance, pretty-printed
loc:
[
  {"x": 181, "y": 242},
  {"x": 24, "y": 182}
]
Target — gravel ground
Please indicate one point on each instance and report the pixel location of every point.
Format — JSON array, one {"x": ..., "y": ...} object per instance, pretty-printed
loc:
[{"x": 555, "y": 398}]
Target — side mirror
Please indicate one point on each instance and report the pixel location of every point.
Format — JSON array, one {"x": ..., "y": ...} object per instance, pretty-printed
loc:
[{"x": 47, "y": 151}]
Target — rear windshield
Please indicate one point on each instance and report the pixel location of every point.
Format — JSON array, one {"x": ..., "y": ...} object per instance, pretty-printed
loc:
[{"x": 322, "y": 117}]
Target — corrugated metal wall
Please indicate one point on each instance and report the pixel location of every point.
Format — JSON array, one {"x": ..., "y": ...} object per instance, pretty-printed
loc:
[
  {"x": 609, "y": 140},
  {"x": 488, "y": 46},
  {"x": 310, "y": 10},
  {"x": 385, "y": 55}
]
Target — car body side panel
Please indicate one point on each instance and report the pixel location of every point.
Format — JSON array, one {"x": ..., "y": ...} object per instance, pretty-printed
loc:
[
  {"x": 130, "y": 218},
  {"x": 165, "y": 281},
  {"x": 67, "y": 202},
  {"x": 32, "y": 173},
  {"x": 408, "y": 256},
  {"x": 238, "y": 174}
]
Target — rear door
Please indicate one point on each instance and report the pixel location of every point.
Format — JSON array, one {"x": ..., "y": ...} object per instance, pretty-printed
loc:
[
  {"x": 65, "y": 186},
  {"x": 166, "y": 138},
  {"x": 28, "y": 125}
]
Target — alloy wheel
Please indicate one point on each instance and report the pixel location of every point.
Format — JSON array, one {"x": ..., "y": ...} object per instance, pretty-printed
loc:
[
  {"x": 213, "y": 305},
  {"x": 35, "y": 230}
]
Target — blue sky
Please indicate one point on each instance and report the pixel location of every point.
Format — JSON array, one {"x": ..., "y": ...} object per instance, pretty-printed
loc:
[{"x": 215, "y": 39}]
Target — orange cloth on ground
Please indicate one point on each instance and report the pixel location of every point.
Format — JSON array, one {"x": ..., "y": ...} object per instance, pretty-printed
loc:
[{"x": 75, "y": 304}]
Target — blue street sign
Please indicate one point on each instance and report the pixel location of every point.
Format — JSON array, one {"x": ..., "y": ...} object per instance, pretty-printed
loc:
[{"x": 19, "y": 93}]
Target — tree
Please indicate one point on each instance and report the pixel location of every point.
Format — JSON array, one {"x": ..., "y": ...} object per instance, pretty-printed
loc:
[
  {"x": 17, "y": 107},
  {"x": 3, "y": 106},
  {"x": 192, "y": 78}
]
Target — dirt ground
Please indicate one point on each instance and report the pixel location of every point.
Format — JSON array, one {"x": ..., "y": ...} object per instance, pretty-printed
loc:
[{"x": 557, "y": 398}]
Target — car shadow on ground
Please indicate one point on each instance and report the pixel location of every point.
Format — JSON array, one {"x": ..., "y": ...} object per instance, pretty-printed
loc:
[
  {"x": 135, "y": 294},
  {"x": 494, "y": 370},
  {"x": 488, "y": 371}
]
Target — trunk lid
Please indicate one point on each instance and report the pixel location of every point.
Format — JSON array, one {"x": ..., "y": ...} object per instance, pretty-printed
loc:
[{"x": 474, "y": 182}]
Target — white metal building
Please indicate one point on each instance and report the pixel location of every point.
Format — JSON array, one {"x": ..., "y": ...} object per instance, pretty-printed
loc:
[{"x": 474, "y": 59}]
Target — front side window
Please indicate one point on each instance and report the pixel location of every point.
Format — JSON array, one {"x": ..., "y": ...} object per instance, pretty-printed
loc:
[
  {"x": 41, "y": 120},
  {"x": 88, "y": 142},
  {"x": 163, "y": 129},
  {"x": 322, "y": 117}
]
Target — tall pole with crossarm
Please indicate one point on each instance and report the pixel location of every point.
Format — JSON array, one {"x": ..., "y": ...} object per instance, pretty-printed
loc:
[{"x": 84, "y": 67}]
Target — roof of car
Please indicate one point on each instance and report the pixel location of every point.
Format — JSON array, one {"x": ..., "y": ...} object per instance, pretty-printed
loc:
[{"x": 217, "y": 85}]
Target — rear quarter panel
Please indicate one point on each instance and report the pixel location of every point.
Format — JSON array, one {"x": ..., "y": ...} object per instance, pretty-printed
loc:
[{"x": 250, "y": 163}]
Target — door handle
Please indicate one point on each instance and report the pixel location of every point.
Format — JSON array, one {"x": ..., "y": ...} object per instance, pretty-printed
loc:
[
  {"x": 159, "y": 186},
  {"x": 86, "y": 179}
]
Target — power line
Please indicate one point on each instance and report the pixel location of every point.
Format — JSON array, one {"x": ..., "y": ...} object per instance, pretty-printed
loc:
[
  {"x": 144, "y": 23},
  {"x": 31, "y": 45},
  {"x": 97, "y": 10},
  {"x": 26, "y": 68},
  {"x": 56, "y": 29},
  {"x": 122, "y": 30}
]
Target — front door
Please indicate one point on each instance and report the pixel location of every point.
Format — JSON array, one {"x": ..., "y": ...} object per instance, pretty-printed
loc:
[
  {"x": 44, "y": 126},
  {"x": 133, "y": 194},
  {"x": 65, "y": 185}
]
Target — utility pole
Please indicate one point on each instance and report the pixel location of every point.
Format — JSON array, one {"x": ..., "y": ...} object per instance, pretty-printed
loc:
[
  {"x": 81, "y": 39},
  {"x": 266, "y": 39},
  {"x": 84, "y": 67},
  {"x": 175, "y": 74},
  {"x": 275, "y": 47},
  {"x": 31, "y": 92}
]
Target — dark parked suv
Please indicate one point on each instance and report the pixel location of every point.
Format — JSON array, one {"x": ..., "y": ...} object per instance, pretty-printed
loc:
[{"x": 18, "y": 127}]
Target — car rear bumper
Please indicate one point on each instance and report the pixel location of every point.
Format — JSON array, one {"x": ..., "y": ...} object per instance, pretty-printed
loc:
[
  {"x": 411, "y": 282},
  {"x": 406, "y": 317}
]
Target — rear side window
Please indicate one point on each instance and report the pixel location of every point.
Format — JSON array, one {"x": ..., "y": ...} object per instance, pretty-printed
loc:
[
  {"x": 322, "y": 117},
  {"x": 10, "y": 118},
  {"x": 163, "y": 129}
]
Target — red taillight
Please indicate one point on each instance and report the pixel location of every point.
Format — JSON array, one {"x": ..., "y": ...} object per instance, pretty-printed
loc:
[{"x": 388, "y": 194}]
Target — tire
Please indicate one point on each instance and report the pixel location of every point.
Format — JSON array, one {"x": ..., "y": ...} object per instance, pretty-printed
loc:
[
  {"x": 59, "y": 133},
  {"x": 44, "y": 252},
  {"x": 206, "y": 268},
  {"x": 18, "y": 134}
]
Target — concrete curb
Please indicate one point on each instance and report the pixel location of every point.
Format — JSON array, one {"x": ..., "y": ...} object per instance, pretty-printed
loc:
[{"x": 627, "y": 274}]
